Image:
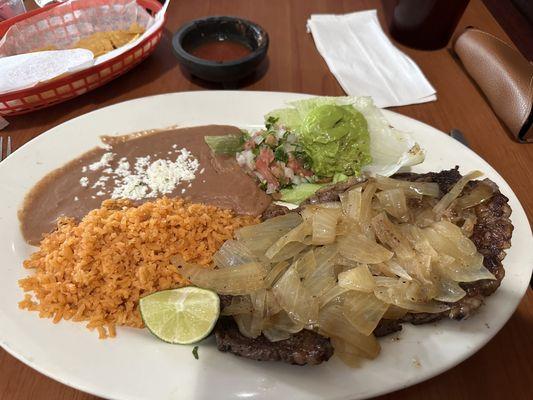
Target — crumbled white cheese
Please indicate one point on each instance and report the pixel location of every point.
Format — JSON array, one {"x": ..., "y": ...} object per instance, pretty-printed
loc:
[
  {"x": 146, "y": 177},
  {"x": 131, "y": 187},
  {"x": 76, "y": 198},
  {"x": 123, "y": 168},
  {"x": 151, "y": 179},
  {"x": 104, "y": 162},
  {"x": 84, "y": 169},
  {"x": 101, "y": 182}
]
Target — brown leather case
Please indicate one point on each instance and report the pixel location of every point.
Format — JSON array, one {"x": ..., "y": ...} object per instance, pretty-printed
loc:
[{"x": 504, "y": 76}]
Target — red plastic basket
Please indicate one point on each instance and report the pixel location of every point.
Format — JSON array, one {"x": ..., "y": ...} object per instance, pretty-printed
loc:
[{"x": 68, "y": 86}]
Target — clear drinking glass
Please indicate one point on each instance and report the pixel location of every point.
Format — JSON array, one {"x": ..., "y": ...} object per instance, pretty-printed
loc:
[{"x": 11, "y": 8}]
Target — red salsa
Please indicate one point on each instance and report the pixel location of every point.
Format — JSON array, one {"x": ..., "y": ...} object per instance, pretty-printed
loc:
[{"x": 220, "y": 50}]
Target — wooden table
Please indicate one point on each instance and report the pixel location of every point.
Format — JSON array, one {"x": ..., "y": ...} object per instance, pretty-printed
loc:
[{"x": 502, "y": 368}]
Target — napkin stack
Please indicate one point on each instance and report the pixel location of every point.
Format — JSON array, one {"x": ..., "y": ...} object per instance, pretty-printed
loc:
[{"x": 365, "y": 62}]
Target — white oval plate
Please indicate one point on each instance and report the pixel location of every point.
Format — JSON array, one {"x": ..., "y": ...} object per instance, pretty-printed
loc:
[{"x": 135, "y": 365}]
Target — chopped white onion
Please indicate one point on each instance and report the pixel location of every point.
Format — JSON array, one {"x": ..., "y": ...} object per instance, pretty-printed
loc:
[
  {"x": 363, "y": 310},
  {"x": 361, "y": 249},
  {"x": 232, "y": 253},
  {"x": 389, "y": 234},
  {"x": 351, "y": 203},
  {"x": 306, "y": 264},
  {"x": 333, "y": 294},
  {"x": 243, "y": 279},
  {"x": 258, "y": 238},
  {"x": 294, "y": 298},
  {"x": 333, "y": 323},
  {"x": 358, "y": 278},
  {"x": 430, "y": 189},
  {"x": 348, "y": 354},
  {"x": 296, "y": 234},
  {"x": 479, "y": 194},
  {"x": 454, "y": 192},
  {"x": 238, "y": 305},
  {"x": 394, "y": 203}
]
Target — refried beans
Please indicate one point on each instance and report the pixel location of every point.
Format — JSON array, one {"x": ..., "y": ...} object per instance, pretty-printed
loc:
[{"x": 218, "y": 181}]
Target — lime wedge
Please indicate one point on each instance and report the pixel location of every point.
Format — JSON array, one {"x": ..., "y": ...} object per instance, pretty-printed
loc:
[{"x": 183, "y": 316}]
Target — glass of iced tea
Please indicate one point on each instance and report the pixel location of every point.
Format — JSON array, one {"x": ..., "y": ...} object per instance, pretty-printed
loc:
[{"x": 423, "y": 24}]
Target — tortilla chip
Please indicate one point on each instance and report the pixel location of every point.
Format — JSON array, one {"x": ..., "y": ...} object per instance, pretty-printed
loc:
[{"x": 103, "y": 42}]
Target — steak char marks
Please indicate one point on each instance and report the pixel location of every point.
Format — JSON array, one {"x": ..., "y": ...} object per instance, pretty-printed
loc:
[{"x": 304, "y": 347}]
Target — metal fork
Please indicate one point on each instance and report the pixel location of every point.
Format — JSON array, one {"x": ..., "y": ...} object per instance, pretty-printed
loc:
[{"x": 8, "y": 147}]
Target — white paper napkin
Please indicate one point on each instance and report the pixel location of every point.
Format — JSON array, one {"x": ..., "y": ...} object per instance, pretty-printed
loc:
[{"x": 365, "y": 62}]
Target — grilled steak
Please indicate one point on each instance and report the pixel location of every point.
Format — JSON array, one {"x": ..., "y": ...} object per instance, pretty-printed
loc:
[
  {"x": 491, "y": 235},
  {"x": 274, "y": 210},
  {"x": 331, "y": 193},
  {"x": 304, "y": 347}
]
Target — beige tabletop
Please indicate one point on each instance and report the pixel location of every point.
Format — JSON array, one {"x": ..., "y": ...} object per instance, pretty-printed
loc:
[{"x": 504, "y": 367}]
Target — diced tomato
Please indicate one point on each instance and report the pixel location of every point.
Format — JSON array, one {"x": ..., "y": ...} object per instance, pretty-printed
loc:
[
  {"x": 279, "y": 172},
  {"x": 271, "y": 140},
  {"x": 297, "y": 167},
  {"x": 262, "y": 165},
  {"x": 249, "y": 144}
]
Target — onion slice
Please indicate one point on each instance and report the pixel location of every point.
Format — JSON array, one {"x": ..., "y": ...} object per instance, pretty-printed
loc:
[
  {"x": 297, "y": 234},
  {"x": 358, "y": 278},
  {"x": 333, "y": 323},
  {"x": 238, "y": 305},
  {"x": 294, "y": 298},
  {"x": 359, "y": 248},
  {"x": 363, "y": 310},
  {"x": 240, "y": 280},
  {"x": 430, "y": 189},
  {"x": 454, "y": 192},
  {"x": 479, "y": 194},
  {"x": 351, "y": 203},
  {"x": 394, "y": 203}
]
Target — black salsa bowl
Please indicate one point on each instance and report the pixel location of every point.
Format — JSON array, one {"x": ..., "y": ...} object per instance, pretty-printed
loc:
[{"x": 239, "y": 30}]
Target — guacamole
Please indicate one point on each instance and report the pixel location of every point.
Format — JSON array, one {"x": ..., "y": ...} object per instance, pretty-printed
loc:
[{"x": 336, "y": 139}]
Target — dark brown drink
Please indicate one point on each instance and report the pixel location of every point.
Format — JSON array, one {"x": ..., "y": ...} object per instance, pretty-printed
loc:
[{"x": 423, "y": 24}]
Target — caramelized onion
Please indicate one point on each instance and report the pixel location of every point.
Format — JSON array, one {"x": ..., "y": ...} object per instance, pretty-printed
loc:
[
  {"x": 454, "y": 192},
  {"x": 430, "y": 189},
  {"x": 341, "y": 267},
  {"x": 394, "y": 203},
  {"x": 363, "y": 310},
  {"x": 358, "y": 278},
  {"x": 359, "y": 248},
  {"x": 334, "y": 323},
  {"x": 479, "y": 194},
  {"x": 243, "y": 279}
]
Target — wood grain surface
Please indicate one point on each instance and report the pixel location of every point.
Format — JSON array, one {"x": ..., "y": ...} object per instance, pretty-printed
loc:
[{"x": 504, "y": 367}]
